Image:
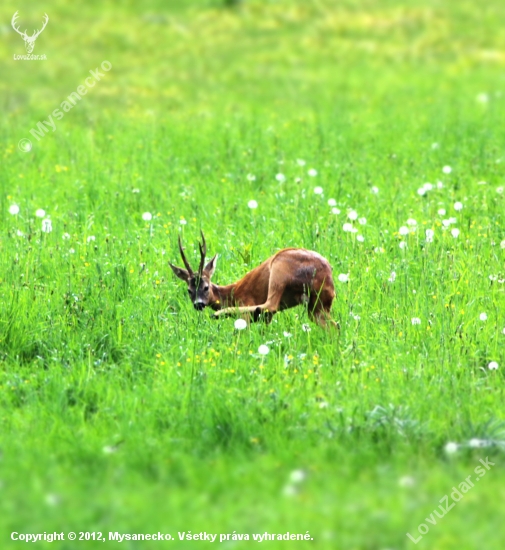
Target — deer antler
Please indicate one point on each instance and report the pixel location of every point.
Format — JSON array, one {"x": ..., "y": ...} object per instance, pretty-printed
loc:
[
  {"x": 186, "y": 263},
  {"x": 203, "y": 252},
  {"x": 46, "y": 19},
  {"x": 13, "y": 23}
]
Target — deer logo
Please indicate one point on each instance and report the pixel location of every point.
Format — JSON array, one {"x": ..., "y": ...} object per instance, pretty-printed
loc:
[{"x": 29, "y": 40}]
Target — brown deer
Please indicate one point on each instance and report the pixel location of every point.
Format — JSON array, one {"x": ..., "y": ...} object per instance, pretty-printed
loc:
[{"x": 287, "y": 279}]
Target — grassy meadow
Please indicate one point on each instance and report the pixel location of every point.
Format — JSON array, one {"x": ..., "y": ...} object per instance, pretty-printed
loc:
[{"x": 371, "y": 131}]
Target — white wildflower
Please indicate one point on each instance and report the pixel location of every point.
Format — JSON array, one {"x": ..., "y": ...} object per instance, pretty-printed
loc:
[
  {"x": 450, "y": 448},
  {"x": 263, "y": 349},
  {"x": 240, "y": 324}
]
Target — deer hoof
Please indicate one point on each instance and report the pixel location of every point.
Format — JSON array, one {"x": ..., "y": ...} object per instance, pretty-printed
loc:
[{"x": 257, "y": 314}]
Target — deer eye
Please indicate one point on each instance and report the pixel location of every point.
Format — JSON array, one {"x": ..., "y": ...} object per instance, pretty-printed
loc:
[
  {"x": 206, "y": 288},
  {"x": 189, "y": 291}
]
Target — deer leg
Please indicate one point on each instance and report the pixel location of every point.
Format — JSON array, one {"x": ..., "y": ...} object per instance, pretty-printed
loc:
[{"x": 267, "y": 310}]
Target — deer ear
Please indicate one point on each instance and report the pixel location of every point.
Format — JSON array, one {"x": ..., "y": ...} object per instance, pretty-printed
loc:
[
  {"x": 211, "y": 267},
  {"x": 179, "y": 272}
]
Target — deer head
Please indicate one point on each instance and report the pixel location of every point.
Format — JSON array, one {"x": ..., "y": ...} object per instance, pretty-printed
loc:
[
  {"x": 29, "y": 40},
  {"x": 199, "y": 285}
]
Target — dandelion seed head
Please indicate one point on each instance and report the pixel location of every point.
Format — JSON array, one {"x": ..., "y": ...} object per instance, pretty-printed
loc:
[
  {"x": 450, "y": 448},
  {"x": 280, "y": 177},
  {"x": 335, "y": 211},
  {"x": 416, "y": 321},
  {"x": 332, "y": 202},
  {"x": 343, "y": 277},
  {"x": 352, "y": 215},
  {"x": 240, "y": 324},
  {"x": 147, "y": 216},
  {"x": 441, "y": 212},
  {"x": 14, "y": 209},
  {"x": 406, "y": 481},
  {"x": 458, "y": 206},
  {"x": 40, "y": 213},
  {"x": 402, "y": 245},
  {"x": 374, "y": 190},
  {"x": 252, "y": 204},
  {"x": 312, "y": 172},
  {"x": 263, "y": 349},
  {"x": 360, "y": 238},
  {"x": 455, "y": 232},
  {"x": 483, "y": 316},
  {"x": 318, "y": 190},
  {"x": 404, "y": 230},
  {"x": 297, "y": 476},
  {"x": 362, "y": 221},
  {"x": 446, "y": 169},
  {"x": 493, "y": 365}
]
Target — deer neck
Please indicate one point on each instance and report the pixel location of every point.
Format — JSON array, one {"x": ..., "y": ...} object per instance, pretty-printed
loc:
[{"x": 224, "y": 296}]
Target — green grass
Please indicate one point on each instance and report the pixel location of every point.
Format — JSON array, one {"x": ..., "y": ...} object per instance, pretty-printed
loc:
[{"x": 123, "y": 409}]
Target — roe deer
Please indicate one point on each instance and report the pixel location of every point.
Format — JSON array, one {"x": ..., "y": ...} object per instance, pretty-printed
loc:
[{"x": 291, "y": 277}]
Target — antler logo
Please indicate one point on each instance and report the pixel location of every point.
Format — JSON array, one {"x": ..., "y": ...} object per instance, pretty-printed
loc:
[{"x": 29, "y": 40}]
